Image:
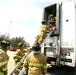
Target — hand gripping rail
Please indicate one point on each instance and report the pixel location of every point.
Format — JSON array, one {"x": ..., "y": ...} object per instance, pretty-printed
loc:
[{"x": 21, "y": 61}]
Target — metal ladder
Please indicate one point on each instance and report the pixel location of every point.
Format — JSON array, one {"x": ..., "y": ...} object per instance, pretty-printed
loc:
[
  {"x": 48, "y": 35},
  {"x": 21, "y": 72},
  {"x": 57, "y": 43},
  {"x": 17, "y": 66},
  {"x": 22, "y": 60}
]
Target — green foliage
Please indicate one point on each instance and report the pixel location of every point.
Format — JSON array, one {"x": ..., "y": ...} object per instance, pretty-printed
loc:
[
  {"x": 3, "y": 36},
  {"x": 13, "y": 41},
  {"x": 16, "y": 40}
]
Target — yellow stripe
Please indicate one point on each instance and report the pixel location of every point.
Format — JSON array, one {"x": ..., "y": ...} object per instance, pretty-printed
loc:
[
  {"x": 16, "y": 59},
  {"x": 19, "y": 56},
  {"x": 34, "y": 74},
  {"x": 25, "y": 64},
  {"x": 3, "y": 63},
  {"x": 4, "y": 69},
  {"x": 1, "y": 73},
  {"x": 35, "y": 64},
  {"x": 45, "y": 66}
]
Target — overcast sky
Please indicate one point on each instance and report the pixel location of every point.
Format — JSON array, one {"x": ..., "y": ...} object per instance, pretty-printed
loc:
[{"x": 26, "y": 16}]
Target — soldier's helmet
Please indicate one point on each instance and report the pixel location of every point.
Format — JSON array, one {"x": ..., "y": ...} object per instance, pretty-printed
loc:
[
  {"x": 36, "y": 48},
  {"x": 5, "y": 43},
  {"x": 20, "y": 44}
]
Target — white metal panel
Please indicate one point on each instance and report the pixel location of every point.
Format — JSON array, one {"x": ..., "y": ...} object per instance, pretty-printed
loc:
[
  {"x": 68, "y": 24},
  {"x": 68, "y": 27}
]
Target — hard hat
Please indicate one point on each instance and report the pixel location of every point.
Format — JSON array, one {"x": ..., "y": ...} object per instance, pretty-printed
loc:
[
  {"x": 20, "y": 44},
  {"x": 36, "y": 48},
  {"x": 5, "y": 43}
]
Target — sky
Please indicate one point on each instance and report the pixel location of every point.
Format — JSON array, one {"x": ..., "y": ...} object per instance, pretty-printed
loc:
[{"x": 22, "y": 17}]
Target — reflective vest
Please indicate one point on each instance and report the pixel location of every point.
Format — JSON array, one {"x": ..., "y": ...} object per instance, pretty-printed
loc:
[{"x": 35, "y": 64}]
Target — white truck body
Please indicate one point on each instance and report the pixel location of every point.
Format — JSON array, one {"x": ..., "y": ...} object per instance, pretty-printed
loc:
[
  {"x": 63, "y": 48},
  {"x": 68, "y": 33}
]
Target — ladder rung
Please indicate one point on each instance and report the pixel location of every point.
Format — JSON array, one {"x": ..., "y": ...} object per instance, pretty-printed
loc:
[{"x": 17, "y": 69}]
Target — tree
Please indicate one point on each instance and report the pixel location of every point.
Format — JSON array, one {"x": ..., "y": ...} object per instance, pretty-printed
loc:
[
  {"x": 13, "y": 41},
  {"x": 3, "y": 36},
  {"x": 16, "y": 40}
]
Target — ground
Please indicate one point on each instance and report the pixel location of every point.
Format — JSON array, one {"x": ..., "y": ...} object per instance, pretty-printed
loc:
[{"x": 11, "y": 61}]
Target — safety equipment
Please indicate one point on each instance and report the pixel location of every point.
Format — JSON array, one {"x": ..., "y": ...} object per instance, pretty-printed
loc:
[
  {"x": 36, "y": 48},
  {"x": 52, "y": 19},
  {"x": 35, "y": 64},
  {"x": 43, "y": 29},
  {"x": 48, "y": 35},
  {"x": 20, "y": 63},
  {"x": 18, "y": 56},
  {"x": 5, "y": 42},
  {"x": 3, "y": 62}
]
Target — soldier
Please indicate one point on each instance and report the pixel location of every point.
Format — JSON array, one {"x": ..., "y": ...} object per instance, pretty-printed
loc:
[
  {"x": 35, "y": 62},
  {"x": 4, "y": 58},
  {"x": 18, "y": 56},
  {"x": 42, "y": 32}
]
